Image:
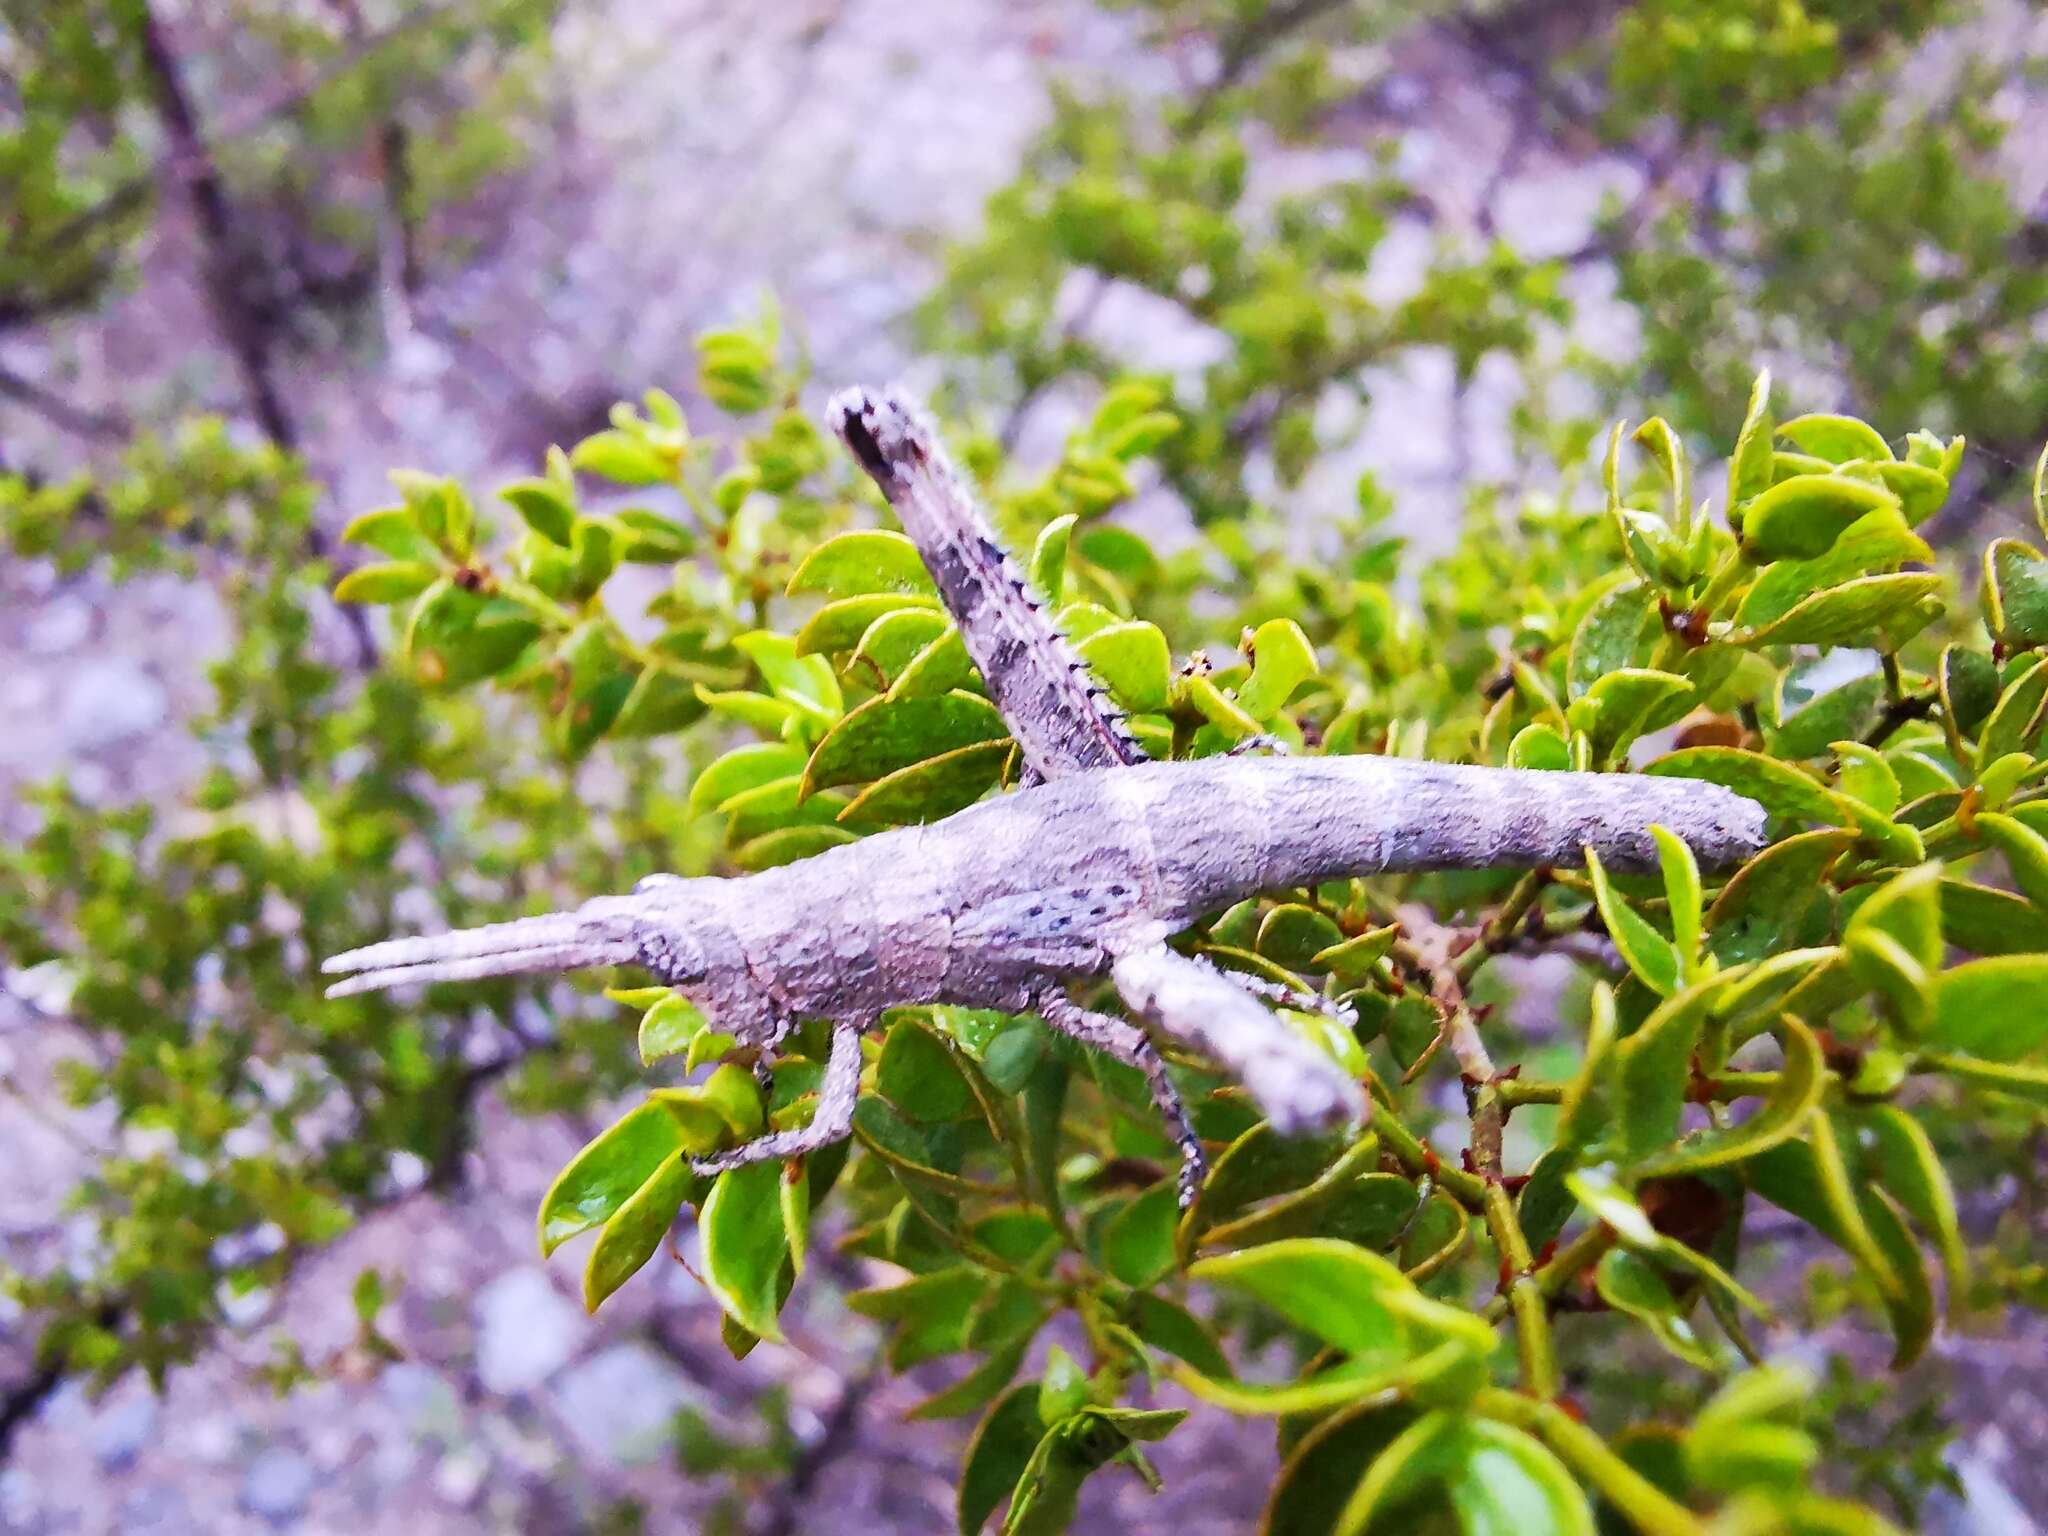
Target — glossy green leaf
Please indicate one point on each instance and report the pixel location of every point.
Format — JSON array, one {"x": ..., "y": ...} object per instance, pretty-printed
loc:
[
  {"x": 745, "y": 1246},
  {"x": 1282, "y": 660},
  {"x": 2025, "y": 850},
  {"x": 1791, "y": 1100},
  {"x": 1778, "y": 787},
  {"x": 863, "y": 561},
  {"x": 1759, "y": 910},
  {"x": 2016, "y": 593},
  {"x": 1132, "y": 660},
  {"x": 1749, "y": 466},
  {"x": 1838, "y": 439},
  {"x": 842, "y": 623},
  {"x": 1857, "y": 611},
  {"x": 606, "y": 1173},
  {"x": 1879, "y": 541},
  {"x": 1611, "y": 636},
  {"x": 2014, "y": 724},
  {"x": 932, "y": 789},
  {"x": 997, "y": 1455},
  {"x": 1996, "y": 1009},
  {"x": 1631, "y": 1284},
  {"x": 919, "y": 1073},
  {"x": 392, "y": 581},
  {"x": 668, "y": 1027},
  {"x": 1497, "y": 1481},
  {"x": 1138, "y": 1242},
  {"x": 938, "y": 669},
  {"x": 1049, "y": 557},
  {"x": 886, "y": 734},
  {"x": 1645, "y": 951},
  {"x": 1799, "y": 518},
  {"x": 895, "y": 640},
  {"x": 633, "y": 1234},
  {"x": 1904, "y": 1162}
]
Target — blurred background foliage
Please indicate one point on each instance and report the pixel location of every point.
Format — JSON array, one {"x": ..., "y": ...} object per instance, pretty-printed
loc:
[{"x": 705, "y": 654}]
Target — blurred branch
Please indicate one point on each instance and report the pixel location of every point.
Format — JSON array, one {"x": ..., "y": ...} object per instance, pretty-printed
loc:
[
  {"x": 101, "y": 426},
  {"x": 233, "y": 268}
]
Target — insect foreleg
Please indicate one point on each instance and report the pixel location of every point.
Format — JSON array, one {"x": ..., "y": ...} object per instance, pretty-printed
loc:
[
  {"x": 831, "y": 1121},
  {"x": 1128, "y": 1044},
  {"x": 1299, "y": 998},
  {"x": 1298, "y": 1087}
]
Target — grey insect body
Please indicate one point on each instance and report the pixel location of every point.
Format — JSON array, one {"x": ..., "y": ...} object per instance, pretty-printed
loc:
[{"x": 1084, "y": 876}]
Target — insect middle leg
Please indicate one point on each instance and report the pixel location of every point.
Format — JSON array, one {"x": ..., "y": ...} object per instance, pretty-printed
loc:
[
  {"x": 831, "y": 1121},
  {"x": 1130, "y": 1045}
]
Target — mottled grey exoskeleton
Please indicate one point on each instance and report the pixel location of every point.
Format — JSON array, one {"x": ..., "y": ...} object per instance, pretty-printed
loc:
[{"x": 1084, "y": 875}]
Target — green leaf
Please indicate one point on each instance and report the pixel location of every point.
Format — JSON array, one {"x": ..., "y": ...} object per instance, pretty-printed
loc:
[
  {"x": 804, "y": 681},
  {"x": 721, "y": 1111},
  {"x": 921, "y": 1076},
  {"x": 932, "y": 789},
  {"x": 1894, "y": 940},
  {"x": 1323, "y": 1467},
  {"x": 2015, "y": 723},
  {"x": 1292, "y": 935},
  {"x": 745, "y": 1246},
  {"x": 1137, "y": 1244},
  {"x": 1623, "y": 705},
  {"x": 668, "y": 1027},
  {"x": 1259, "y": 1164},
  {"x": 633, "y": 1235},
  {"x": 1809, "y": 729},
  {"x": 895, "y": 640},
  {"x": 1865, "y": 610},
  {"x": 864, "y": 561},
  {"x": 1922, "y": 491},
  {"x": 1219, "y": 711},
  {"x": 1652, "y": 1070},
  {"x": 1630, "y": 1284},
  {"x": 1838, "y": 439},
  {"x": 1610, "y": 637},
  {"x": 1541, "y": 748},
  {"x": 886, "y": 734},
  {"x": 1282, "y": 660},
  {"x": 395, "y": 532},
  {"x": 1355, "y": 1300},
  {"x": 997, "y": 1455},
  {"x": 2041, "y": 492},
  {"x": 1749, "y": 466},
  {"x": 1879, "y": 541},
  {"x": 1496, "y": 1479},
  {"x": 456, "y": 636},
  {"x": 1865, "y": 776},
  {"x": 621, "y": 457},
  {"x": 1968, "y": 684},
  {"x": 1133, "y": 661},
  {"x": 1352, "y": 960},
  {"x": 1995, "y": 1009},
  {"x": 1167, "y": 1326},
  {"x": 742, "y": 769},
  {"x": 1049, "y": 557},
  {"x": 1988, "y": 922},
  {"x": 660, "y": 701},
  {"x": 1800, "y": 518},
  {"x": 1792, "y": 1099},
  {"x": 1778, "y": 787},
  {"x": 391, "y": 582},
  {"x": 1682, "y": 892},
  {"x": 1645, "y": 951},
  {"x": 606, "y": 1173},
  {"x": 2025, "y": 850},
  {"x": 844, "y": 622},
  {"x": 939, "y": 668},
  {"x": 2016, "y": 594},
  {"x": 543, "y": 506},
  {"x": 1906, "y": 1165}
]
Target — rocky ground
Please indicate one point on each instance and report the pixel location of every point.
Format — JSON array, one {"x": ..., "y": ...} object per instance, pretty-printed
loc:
[{"x": 812, "y": 148}]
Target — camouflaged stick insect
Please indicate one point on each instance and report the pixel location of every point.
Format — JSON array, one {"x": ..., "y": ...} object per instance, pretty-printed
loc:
[{"x": 1082, "y": 876}]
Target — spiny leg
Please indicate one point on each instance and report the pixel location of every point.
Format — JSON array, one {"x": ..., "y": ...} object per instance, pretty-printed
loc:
[
  {"x": 1299, "y": 1088},
  {"x": 1128, "y": 1044},
  {"x": 831, "y": 1121},
  {"x": 1299, "y": 998}
]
